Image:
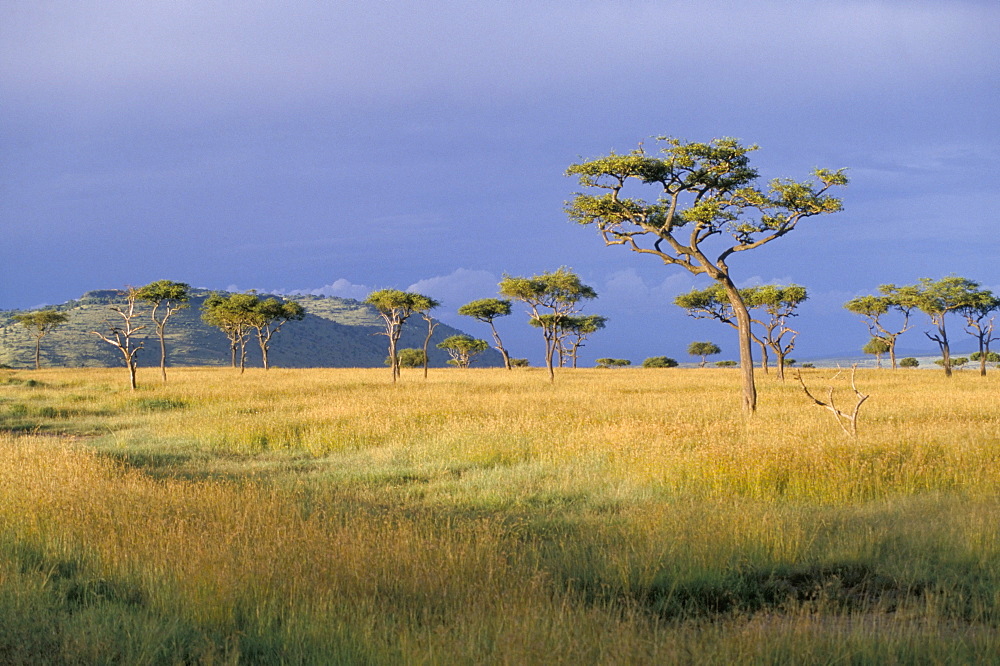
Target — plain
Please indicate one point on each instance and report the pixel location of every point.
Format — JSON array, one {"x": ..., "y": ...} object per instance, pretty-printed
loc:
[{"x": 490, "y": 516}]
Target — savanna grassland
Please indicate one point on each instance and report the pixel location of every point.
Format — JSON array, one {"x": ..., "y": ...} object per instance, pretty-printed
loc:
[{"x": 485, "y": 516}]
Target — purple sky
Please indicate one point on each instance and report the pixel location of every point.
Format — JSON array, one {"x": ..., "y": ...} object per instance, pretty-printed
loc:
[{"x": 339, "y": 147}]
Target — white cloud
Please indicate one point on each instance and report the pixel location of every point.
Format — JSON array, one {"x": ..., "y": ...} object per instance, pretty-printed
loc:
[
  {"x": 458, "y": 287},
  {"x": 341, "y": 288}
]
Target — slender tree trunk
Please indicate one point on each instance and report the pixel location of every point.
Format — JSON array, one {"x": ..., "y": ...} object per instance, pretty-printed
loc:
[
  {"x": 163, "y": 355},
  {"x": 500, "y": 347},
  {"x": 746, "y": 351},
  {"x": 131, "y": 372},
  {"x": 892, "y": 351},
  {"x": 550, "y": 352},
  {"x": 38, "y": 353}
]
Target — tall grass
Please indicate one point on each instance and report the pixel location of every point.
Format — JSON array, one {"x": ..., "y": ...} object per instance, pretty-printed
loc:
[{"x": 635, "y": 516}]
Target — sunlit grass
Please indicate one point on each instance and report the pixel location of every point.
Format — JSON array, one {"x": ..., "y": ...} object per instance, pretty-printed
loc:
[{"x": 622, "y": 516}]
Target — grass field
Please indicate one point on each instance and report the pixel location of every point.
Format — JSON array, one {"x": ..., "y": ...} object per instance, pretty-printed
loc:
[{"x": 484, "y": 516}]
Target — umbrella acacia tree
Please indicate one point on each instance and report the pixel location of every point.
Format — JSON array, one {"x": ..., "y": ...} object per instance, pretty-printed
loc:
[
  {"x": 875, "y": 308},
  {"x": 487, "y": 310},
  {"x": 707, "y": 208},
  {"x": 231, "y": 314},
  {"x": 171, "y": 297},
  {"x": 462, "y": 349},
  {"x": 980, "y": 323},
  {"x": 551, "y": 299},
  {"x": 704, "y": 350},
  {"x": 41, "y": 323},
  {"x": 936, "y": 299},
  {"x": 395, "y": 307},
  {"x": 267, "y": 318}
]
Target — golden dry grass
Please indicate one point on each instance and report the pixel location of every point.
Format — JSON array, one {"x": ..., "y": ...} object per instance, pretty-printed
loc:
[{"x": 623, "y": 516}]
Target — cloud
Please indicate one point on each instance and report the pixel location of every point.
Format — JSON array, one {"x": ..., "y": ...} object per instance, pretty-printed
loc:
[
  {"x": 341, "y": 288},
  {"x": 458, "y": 287}
]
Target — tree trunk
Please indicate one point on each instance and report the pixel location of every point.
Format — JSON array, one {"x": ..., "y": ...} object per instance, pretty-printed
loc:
[
  {"x": 163, "y": 356},
  {"x": 38, "y": 353},
  {"x": 746, "y": 352},
  {"x": 500, "y": 347},
  {"x": 892, "y": 351}
]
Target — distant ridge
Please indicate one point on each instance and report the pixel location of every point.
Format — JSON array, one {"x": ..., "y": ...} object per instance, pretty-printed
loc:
[{"x": 336, "y": 333}]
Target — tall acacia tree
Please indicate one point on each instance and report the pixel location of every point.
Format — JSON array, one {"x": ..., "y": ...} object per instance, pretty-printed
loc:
[
  {"x": 575, "y": 331},
  {"x": 937, "y": 298},
  {"x": 779, "y": 304},
  {"x": 395, "y": 307},
  {"x": 121, "y": 334},
  {"x": 980, "y": 322},
  {"x": 487, "y": 310},
  {"x": 171, "y": 297},
  {"x": 874, "y": 309},
  {"x": 41, "y": 323},
  {"x": 267, "y": 317},
  {"x": 551, "y": 298},
  {"x": 424, "y": 305},
  {"x": 232, "y": 315},
  {"x": 708, "y": 207}
]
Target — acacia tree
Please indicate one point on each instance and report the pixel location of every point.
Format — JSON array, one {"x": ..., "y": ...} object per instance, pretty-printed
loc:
[
  {"x": 876, "y": 346},
  {"x": 713, "y": 303},
  {"x": 936, "y": 299},
  {"x": 462, "y": 349},
  {"x": 395, "y": 307},
  {"x": 575, "y": 331},
  {"x": 704, "y": 350},
  {"x": 551, "y": 298},
  {"x": 40, "y": 323},
  {"x": 171, "y": 297},
  {"x": 267, "y": 317},
  {"x": 232, "y": 315},
  {"x": 979, "y": 323},
  {"x": 778, "y": 303},
  {"x": 873, "y": 309},
  {"x": 708, "y": 207},
  {"x": 121, "y": 334},
  {"x": 487, "y": 310},
  {"x": 424, "y": 305}
]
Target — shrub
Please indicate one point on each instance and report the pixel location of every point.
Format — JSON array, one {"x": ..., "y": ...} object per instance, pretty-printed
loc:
[
  {"x": 726, "y": 364},
  {"x": 909, "y": 362},
  {"x": 613, "y": 362},
  {"x": 659, "y": 362}
]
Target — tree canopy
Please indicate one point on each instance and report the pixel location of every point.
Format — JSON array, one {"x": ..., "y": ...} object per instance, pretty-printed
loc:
[
  {"x": 41, "y": 323},
  {"x": 551, "y": 299},
  {"x": 707, "y": 206}
]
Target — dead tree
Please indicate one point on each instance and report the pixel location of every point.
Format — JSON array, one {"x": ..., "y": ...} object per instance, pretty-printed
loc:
[{"x": 848, "y": 421}]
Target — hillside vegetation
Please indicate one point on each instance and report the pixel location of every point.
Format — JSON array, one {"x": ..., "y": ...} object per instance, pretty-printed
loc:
[
  {"x": 483, "y": 516},
  {"x": 336, "y": 333}
]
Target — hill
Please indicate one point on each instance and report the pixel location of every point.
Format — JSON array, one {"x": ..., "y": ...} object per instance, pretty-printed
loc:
[{"x": 336, "y": 333}]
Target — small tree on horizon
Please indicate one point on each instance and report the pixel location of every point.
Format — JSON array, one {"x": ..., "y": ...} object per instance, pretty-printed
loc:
[
  {"x": 172, "y": 297},
  {"x": 937, "y": 298},
  {"x": 704, "y": 350},
  {"x": 487, "y": 310},
  {"x": 40, "y": 323},
  {"x": 909, "y": 362},
  {"x": 551, "y": 298},
  {"x": 613, "y": 363},
  {"x": 462, "y": 349},
  {"x": 876, "y": 347},
  {"x": 267, "y": 317},
  {"x": 660, "y": 362},
  {"x": 121, "y": 334},
  {"x": 874, "y": 310},
  {"x": 395, "y": 307}
]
